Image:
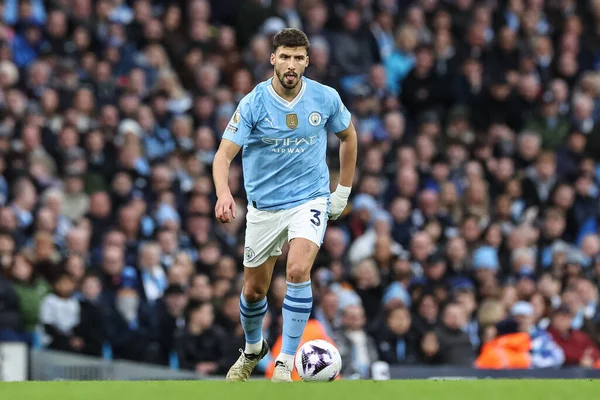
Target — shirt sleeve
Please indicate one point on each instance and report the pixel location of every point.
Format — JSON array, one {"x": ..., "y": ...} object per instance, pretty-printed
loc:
[
  {"x": 240, "y": 124},
  {"x": 340, "y": 117}
]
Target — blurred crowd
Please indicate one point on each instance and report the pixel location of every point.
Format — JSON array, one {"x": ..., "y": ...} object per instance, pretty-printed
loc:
[{"x": 471, "y": 237}]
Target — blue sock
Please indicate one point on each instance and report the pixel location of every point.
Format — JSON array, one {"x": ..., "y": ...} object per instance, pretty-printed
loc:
[
  {"x": 251, "y": 317},
  {"x": 297, "y": 306}
]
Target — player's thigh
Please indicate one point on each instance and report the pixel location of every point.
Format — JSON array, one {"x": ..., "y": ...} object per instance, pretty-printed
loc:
[
  {"x": 265, "y": 236},
  {"x": 301, "y": 258},
  {"x": 302, "y": 254}
]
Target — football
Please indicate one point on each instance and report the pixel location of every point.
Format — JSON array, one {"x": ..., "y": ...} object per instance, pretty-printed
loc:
[{"x": 318, "y": 361}]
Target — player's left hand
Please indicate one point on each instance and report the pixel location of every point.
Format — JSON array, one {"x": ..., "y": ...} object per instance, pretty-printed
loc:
[{"x": 339, "y": 200}]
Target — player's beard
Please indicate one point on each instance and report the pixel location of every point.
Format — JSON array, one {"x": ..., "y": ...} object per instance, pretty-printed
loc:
[{"x": 286, "y": 83}]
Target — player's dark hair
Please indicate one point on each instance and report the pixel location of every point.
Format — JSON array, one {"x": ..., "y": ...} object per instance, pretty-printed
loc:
[{"x": 290, "y": 37}]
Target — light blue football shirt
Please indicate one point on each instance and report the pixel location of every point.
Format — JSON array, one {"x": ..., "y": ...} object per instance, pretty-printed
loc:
[{"x": 284, "y": 143}]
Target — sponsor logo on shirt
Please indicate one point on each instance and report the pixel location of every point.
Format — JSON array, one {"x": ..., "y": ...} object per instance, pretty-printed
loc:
[{"x": 289, "y": 145}]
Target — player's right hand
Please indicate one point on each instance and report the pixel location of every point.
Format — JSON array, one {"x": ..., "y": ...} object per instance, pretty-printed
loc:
[{"x": 225, "y": 209}]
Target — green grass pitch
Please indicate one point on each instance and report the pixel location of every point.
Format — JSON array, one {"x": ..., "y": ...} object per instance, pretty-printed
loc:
[{"x": 263, "y": 390}]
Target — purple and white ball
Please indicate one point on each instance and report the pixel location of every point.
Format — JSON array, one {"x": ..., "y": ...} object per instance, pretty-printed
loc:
[{"x": 318, "y": 361}]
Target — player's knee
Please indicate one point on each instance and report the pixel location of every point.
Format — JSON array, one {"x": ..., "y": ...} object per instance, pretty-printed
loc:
[
  {"x": 298, "y": 272},
  {"x": 254, "y": 293}
]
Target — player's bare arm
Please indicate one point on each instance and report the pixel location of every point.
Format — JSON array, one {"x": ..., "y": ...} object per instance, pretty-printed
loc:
[
  {"x": 348, "y": 153},
  {"x": 225, "y": 208}
]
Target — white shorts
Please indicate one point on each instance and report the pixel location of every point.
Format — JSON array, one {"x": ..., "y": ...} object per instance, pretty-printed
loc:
[{"x": 266, "y": 231}]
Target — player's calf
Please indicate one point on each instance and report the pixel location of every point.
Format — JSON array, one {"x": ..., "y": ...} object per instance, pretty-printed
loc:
[
  {"x": 297, "y": 304},
  {"x": 251, "y": 317},
  {"x": 253, "y": 304},
  {"x": 253, "y": 308}
]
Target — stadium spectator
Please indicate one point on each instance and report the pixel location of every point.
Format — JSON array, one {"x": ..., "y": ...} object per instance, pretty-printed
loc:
[
  {"x": 577, "y": 346},
  {"x": 170, "y": 318},
  {"x": 328, "y": 313},
  {"x": 357, "y": 348},
  {"x": 31, "y": 291},
  {"x": 92, "y": 316},
  {"x": 10, "y": 318},
  {"x": 202, "y": 348},
  {"x": 130, "y": 328},
  {"x": 544, "y": 351},
  {"x": 455, "y": 347},
  {"x": 59, "y": 314},
  {"x": 397, "y": 343}
]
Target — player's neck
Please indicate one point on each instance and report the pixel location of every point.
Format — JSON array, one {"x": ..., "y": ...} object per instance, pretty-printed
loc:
[{"x": 286, "y": 94}]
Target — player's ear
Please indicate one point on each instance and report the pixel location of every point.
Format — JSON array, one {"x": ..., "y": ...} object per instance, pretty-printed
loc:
[
  {"x": 307, "y": 61},
  {"x": 272, "y": 59}
]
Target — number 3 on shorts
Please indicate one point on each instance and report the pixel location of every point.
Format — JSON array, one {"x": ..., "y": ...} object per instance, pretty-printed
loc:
[{"x": 316, "y": 220}]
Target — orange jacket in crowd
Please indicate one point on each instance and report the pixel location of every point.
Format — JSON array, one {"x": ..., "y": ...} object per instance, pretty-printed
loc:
[
  {"x": 509, "y": 351},
  {"x": 313, "y": 331}
]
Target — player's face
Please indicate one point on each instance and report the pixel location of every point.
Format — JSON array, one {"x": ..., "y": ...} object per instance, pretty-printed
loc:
[{"x": 289, "y": 64}]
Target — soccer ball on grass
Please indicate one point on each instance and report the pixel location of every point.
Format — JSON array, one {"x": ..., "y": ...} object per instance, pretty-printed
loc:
[{"x": 318, "y": 361}]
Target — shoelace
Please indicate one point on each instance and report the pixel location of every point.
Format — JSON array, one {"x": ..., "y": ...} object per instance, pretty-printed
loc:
[
  {"x": 243, "y": 367},
  {"x": 284, "y": 365}
]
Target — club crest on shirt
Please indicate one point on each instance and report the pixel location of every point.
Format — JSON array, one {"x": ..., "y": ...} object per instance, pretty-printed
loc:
[
  {"x": 314, "y": 118},
  {"x": 291, "y": 120},
  {"x": 249, "y": 253}
]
